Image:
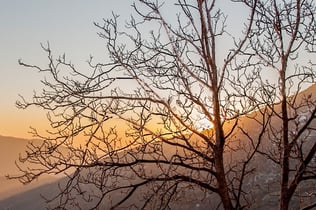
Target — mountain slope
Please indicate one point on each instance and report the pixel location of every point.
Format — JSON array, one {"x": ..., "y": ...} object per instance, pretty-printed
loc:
[
  {"x": 10, "y": 148},
  {"x": 264, "y": 184}
]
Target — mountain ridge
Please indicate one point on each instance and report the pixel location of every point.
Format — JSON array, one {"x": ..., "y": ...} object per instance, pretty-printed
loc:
[{"x": 268, "y": 176}]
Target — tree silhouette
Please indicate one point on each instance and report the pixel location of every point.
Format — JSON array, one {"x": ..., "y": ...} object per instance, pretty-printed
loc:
[
  {"x": 282, "y": 38},
  {"x": 130, "y": 132}
]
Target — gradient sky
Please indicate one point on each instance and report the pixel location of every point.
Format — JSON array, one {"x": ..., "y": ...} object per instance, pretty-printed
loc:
[{"x": 68, "y": 26}]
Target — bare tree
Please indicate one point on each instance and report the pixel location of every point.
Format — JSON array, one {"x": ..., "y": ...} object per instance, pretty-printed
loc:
[
  {"x": 282, "y": 40},
  {"x": 132, "y": 128}
]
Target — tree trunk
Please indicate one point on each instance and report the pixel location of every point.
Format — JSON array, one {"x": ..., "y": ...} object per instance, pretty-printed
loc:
[
  {"x": 221, "y": 180},
  {"x": 219, "y": 152},
  {"x": 284, "y": 197},
  {"x": 284, "y": 200}
]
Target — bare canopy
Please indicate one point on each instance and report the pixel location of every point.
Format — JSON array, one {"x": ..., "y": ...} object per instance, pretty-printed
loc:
[{"x": 169, "y": 120}]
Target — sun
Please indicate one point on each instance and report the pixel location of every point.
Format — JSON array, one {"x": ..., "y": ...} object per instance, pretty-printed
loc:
[{"x": 204, "y": 124}]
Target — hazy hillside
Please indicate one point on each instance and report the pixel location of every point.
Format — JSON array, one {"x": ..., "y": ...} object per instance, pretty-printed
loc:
[
  {"x": 10, "y": 148},
  {"x": 9, "y": 152},
  {"x": 264, "y": 185}
]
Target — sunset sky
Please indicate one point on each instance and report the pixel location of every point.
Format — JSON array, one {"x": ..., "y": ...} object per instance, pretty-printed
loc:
[{"x": 68, "y": 26}]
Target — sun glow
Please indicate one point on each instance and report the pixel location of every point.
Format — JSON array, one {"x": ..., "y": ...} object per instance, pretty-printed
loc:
[{"x": 202, "y": 123}]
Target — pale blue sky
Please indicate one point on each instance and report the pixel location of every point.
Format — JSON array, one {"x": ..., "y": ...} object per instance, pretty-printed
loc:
[
  {"x": 24, "y": 24},
  {"x": 68, "y": 26}
]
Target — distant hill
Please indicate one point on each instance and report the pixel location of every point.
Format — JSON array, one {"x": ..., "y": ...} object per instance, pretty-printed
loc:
[
  {"x": 264, "y": 185},
  {"x": 10, "y": 148}
]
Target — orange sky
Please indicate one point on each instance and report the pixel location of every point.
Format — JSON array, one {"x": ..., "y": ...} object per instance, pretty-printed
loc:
[
  {"x": 26, "y": 24},
  {"x": 15, "y": 122}
]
